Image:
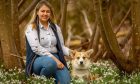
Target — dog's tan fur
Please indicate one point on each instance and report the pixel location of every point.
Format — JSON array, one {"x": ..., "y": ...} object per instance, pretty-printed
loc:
[{"x": 81, "y": 63}]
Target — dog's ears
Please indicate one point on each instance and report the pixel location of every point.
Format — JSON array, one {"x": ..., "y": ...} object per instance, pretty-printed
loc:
[{"x": 89, "y": 52}]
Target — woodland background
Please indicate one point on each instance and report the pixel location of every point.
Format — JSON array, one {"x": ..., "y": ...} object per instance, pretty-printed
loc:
[{"x": 110, "y": 27}]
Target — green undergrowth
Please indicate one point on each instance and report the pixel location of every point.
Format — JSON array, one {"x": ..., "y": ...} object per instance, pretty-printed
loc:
[{"x": 103, "y": 72}]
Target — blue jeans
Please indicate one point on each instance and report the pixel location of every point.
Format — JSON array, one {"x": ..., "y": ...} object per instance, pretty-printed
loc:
[{"x": 44, "y": 65}]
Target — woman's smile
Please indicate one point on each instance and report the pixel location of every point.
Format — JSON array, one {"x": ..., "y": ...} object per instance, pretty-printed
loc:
[{"x": 44, "y": 13}]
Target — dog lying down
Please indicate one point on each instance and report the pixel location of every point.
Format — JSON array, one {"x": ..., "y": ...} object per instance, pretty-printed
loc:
[{"x": 81, "y": 64}]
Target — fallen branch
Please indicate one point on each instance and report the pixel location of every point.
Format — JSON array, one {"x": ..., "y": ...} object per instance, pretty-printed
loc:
[{"x": 18, "y": 56}]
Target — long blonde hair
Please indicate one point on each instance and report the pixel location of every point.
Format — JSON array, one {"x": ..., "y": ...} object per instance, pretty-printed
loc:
[{"x": 34, "y": 20}]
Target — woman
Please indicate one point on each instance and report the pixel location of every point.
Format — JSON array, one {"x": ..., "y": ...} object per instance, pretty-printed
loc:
[{"x": 45, "y": 46}]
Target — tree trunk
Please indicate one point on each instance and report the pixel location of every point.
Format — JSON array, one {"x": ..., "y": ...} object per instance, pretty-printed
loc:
[
  {"x": 136, "y": 30},
  {"x": 109, "y": 38},
  {"x": 15, "y": 29},
  {"x": 1, "y": 25},
  {"x": 63, "y": 17},
  {"x": 96, "y": 41},
  {"x": 88, "y": 27},
  {"x": 1, "y": 55},
  {"x": 7, "y": 39}
]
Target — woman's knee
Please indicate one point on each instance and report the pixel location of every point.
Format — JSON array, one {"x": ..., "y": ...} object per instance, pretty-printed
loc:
[
  {"x": 44, "y": 65},
  {"x": 48, "y": 67},
  {"x": 49, "y": 63}
]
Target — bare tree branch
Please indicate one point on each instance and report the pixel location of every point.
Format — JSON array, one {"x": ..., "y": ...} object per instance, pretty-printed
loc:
[
  {"x": 20, "y": 3},
  {"x": 28, "y": 10},
  {"x": 63, "y": 17},
  {"x": 87, "y": 23},
  {"x": 118, "y": 28},
  {"x": 18, "y": 56}
]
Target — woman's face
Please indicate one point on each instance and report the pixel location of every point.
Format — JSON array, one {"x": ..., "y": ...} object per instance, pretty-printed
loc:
[{"x": 44, "y": 13}]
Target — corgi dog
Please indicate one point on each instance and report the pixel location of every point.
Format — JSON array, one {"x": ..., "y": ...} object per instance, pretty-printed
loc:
[{"x": 81, "y": 64}]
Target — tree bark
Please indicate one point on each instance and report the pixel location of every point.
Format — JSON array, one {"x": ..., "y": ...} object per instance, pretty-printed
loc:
[
  {"x": 1, "y": 26},
  {"x": 7, "y": 40},
  {"x": 136, "y": 30},
  {"x": 1, "y": 55},
  {"x": 15, "y": 29}
]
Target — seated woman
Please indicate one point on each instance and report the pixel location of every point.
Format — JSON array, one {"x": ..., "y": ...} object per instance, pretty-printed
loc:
[{"x": 45, "y": 47}]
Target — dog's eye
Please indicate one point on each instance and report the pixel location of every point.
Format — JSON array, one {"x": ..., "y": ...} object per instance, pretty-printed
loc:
[
  {"x": 84, "y": 57},
  {"x": 78, "y": 57}
]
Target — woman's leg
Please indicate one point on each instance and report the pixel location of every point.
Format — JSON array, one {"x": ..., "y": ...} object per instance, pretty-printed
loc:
[
  {"x": 62, "y": 76},
  {"x": 44, "y": 65}
]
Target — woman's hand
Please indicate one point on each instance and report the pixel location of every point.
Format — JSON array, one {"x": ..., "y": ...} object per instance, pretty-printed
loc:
[
  {"x": 72, "y": 53},
  {"x": 60, "y": 65}
]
